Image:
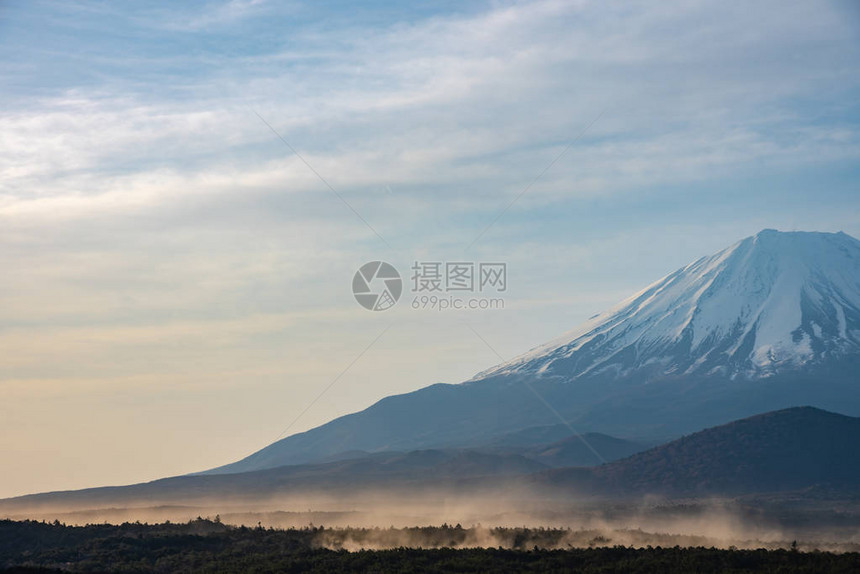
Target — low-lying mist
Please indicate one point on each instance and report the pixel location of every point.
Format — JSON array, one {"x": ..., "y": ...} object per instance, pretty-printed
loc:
[
  {"x": 510, "y": 519},
  {"x": 524, "y": 538}
]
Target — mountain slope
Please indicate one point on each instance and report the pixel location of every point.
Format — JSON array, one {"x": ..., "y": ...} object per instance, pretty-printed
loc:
[
  {"x": 555, "y": 446},
  {"x": 785, "y": 450},
  {"x": 768, "y": 323},
  {"x": 572, "y": 451}
]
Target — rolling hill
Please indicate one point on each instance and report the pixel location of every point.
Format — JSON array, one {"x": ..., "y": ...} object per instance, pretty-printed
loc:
[{"x": 786, "y": 450}]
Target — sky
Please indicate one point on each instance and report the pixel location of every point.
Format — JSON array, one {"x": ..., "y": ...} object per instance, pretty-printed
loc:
[{"x": 187, "y": 189}]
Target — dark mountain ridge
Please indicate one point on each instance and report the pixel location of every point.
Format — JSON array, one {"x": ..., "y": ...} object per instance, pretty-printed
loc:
[{"x": 791, "y": 449}]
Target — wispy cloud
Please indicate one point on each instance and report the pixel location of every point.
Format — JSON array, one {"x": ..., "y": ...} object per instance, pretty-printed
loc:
[{"x": 144, "y": 205}]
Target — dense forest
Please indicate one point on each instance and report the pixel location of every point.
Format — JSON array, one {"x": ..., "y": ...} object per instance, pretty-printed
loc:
[{"x": 210, "y": 546}]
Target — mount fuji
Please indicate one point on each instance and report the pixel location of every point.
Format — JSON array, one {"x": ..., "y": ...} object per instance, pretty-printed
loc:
[
  {"x": 768, "y": 323},
  {"x": 770, "y": 303}
]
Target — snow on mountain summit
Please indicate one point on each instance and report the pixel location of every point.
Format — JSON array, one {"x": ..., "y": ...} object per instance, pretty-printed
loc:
[{"x": 771, "y": 302}]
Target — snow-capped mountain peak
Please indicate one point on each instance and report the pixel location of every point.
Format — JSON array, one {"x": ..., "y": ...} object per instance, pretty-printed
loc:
[{"x": 771, "y": 302}]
